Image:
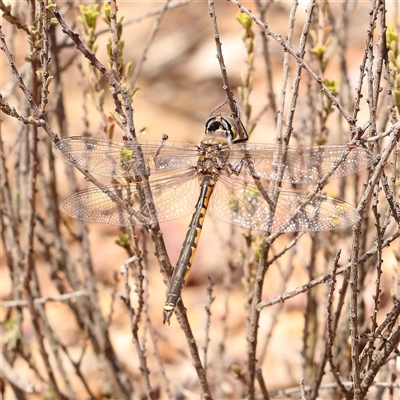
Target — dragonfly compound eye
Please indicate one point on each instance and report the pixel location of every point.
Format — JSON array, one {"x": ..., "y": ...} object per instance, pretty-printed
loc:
[{"x": 222, "y": 125}]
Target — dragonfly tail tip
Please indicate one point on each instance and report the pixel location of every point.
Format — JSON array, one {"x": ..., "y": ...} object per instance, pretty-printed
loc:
[{"x": 167, "y": 316}]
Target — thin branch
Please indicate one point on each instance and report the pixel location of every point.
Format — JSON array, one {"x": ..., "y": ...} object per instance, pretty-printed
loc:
[
  {"x": 38, "y": 119},
  {"x": 285, "y": 72},
  {"x": 7, "y": 372},
  {"x": 262, "y": 9},
  {"x": 150, "y": 39},
  {"x": 126, "y": 115},
  {"x": 12, "y": 19},
  {"x": 45, "y": 54},
  {"x": 300, "y": 61},
  {"x": 323, "y": 278},
  {"x": 208, "y": 323},
  {"x": 180, "y": 311},
  {"x": 354, "y": 264},
  {"x": 380, "y": 358},
  {"x": 331, "y": 327},
  {"x": 124, "y": 109},
  {"x": 367, "y": 49},
  {"x": 115, "y": 54},
  {"x": 147, "y": 14},
  {"x": 328, "y": 386},
  {"x": 140, "y": 350},
  {"x": 44, "y": 300},
  {"x": 220, "y": 57},
  {"x": 261, "y": 382},
  {"x": 297, "y": 77}
]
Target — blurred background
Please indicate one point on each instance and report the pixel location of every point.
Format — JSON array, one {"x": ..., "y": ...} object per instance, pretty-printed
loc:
[{"x": 179, "y": 85}]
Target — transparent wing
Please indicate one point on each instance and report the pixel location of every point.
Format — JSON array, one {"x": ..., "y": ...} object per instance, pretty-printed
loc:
[
  {"x": 301, "y": 164},
  {"x": 241, "y": 203},
  {"x": 117, "y": 159},
  {"x": 174, "y": 198}
]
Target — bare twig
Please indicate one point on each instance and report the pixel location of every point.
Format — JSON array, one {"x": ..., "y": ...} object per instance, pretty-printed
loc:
[
  {"x": 147, "y": 14},
  {"x": 44, "y": 300},
  {"x": 331, "y": 332},
  {"x": 150, "y": 39},
  {"x": 194, "y": 351},
  {"x": 297, "y": 77},
  {"x": 261, "y": 382},
  {"x": 262, "y": 9},
  {"x": 38, "y": 117},
  {"x": 45, "y": 54},
  {"x": 285, "y": 74},
  {"x": 8, "y": 373},
  {"x": 208, "y": 323},
  {"x": 115, "y": 53},
  {"x": 325, "y": 277},
  {"x": 12, "y": 19},
  {"x": 220, "y": 57},
  {"x": 393, "y": 139},
  {"x": 140, "y": 349},
  {"x": 300, "y": 61}
]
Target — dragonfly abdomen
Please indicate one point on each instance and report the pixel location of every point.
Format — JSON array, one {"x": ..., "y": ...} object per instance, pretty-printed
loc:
[{"x": 189, "y": 247}]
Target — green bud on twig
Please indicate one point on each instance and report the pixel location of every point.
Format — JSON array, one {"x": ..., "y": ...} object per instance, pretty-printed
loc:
[
  {"x": 51, "y": 6},
  {"x": 244, "y": 20}
]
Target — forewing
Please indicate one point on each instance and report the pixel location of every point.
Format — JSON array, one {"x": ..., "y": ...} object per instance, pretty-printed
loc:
[
  {"x": 298, "y": 164},
  {"x": 174, "y": 198},
  {"x": 119, "y": 159},
  {"x": 240, "y": 202}
]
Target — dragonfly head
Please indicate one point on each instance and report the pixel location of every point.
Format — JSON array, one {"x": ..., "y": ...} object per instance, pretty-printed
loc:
[{"x": 226, "y": 127}]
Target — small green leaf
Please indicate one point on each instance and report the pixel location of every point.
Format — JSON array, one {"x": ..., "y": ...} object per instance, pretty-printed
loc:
[
  {"x": 123, "y": 240},
  {"x": 51, "y": 6},
  {"x": 318, "y": 51},
  {"x": 244, "y": 20},
  {"x": 331, "y": 86}
]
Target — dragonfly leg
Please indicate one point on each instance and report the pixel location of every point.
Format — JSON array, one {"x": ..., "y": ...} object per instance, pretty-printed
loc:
[{"x": 237, "y": 168}]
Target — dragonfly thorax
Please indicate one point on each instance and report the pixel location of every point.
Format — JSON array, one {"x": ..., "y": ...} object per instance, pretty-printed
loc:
[{"x": 213, "y": 156}]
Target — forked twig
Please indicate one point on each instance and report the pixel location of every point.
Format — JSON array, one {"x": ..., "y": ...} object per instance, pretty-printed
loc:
[{"x": 323, "y": 278}]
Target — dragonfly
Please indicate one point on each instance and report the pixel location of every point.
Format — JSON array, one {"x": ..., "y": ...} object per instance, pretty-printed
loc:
[{"x": 242, "y": 180}]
